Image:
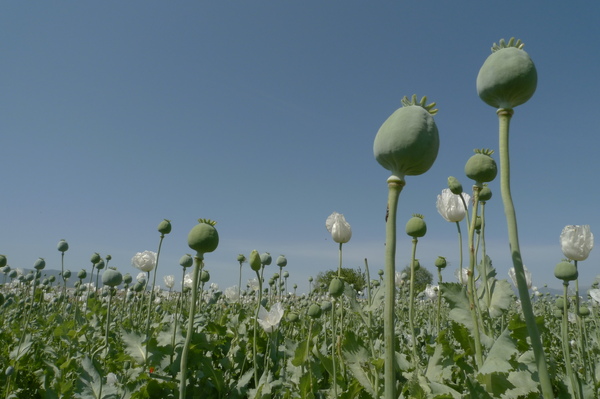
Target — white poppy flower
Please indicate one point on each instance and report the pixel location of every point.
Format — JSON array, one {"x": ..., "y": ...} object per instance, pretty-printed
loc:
[
  {"x": 595, "y": 294},
  {"x": 451, "y": 207},
  {"x": 269, "y": 321},
  {"x": 169, "y": 281},
  {"x": 145, "y": 261},
  {"x": 340, "y": 230},
  {"x": 576, "y": 242}
]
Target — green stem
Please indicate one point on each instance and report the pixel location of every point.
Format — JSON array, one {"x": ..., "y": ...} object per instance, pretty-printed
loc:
[
  {"x": 151, "y": 299},
  {"x": 254, "y": 346},
  {"x": 411, "y": 308},
  {"x": 565, "y": 342},
  {"x": 333, "y": 345},
  {"x": 395, "y": 185},
  {"x": 439, "y": 301},
  {"x": 504, "y": 116},
  {"x": 471, "y": 281},
  {"x": 460, "y": 250},
  {"x": 198, "y": 264}
]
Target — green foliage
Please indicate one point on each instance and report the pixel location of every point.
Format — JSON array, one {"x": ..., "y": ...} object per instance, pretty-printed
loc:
[
  {"x": 353, "y": 277},
  {"x": 422, "y": 277}
]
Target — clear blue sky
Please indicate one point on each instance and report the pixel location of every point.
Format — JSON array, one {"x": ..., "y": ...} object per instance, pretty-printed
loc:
[{"x": 261, "y": 115}]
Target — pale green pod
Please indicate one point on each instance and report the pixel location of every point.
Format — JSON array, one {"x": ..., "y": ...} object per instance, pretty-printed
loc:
[
  {"x": 416, "y": 227},
  {"x": 203, "y": 238},
  {"x": 255, "y": 263},
  {"x": 566, "y": 271},
  {"x": 508, "y": 76},
  {"x": 407, "y": 143},
  {"x": 112, "y": 277}
]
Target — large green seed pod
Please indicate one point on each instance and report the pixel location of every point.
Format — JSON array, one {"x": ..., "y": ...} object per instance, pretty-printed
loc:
[
  {"x": 112, "y": 277},
  {"x": 416, "y": 227},
  {"x": 127, "y": 278},
  {"x": 566, "y": 271},
  {"x": 82, "y": 274},
  {"x": 508, "y": 76},
  {"x": 67, "y": 274},
  {"x": 203, "y": 238},
  {"x": 481, "y": 167},
  {"x": 407, "y": 143}
]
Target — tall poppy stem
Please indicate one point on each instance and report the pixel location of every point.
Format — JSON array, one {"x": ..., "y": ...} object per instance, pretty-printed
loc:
[
  {"x": 504, "y": 116},
  {"x": 395, "y": 185}
]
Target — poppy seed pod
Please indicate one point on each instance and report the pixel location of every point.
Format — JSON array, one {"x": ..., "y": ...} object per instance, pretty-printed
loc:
[
  {"x": 164, "y": 227},
  {"x": 508, "y": 76},
  {"x": 39, "y": 264},
  {"x": 281, "y": 261},
  {"x": 266, "y": 259},
  {"x": 485, "y": 194},
  {"x": 112, "y": 277},
  {"x": 440, "y": 262},
  {"x": 315, "y": 311},
  {"x": 95, "y": 258},
  {"x": 481, "y": 167},
  {"x": 186, "y": 261},
  {"x": 407, "y": 143},
  {"x": 66, "y": 274},
  {"x": 416, "y": 227},
  {"x": 204, "y": 276},
  {"x": 336, "y": 287},
  {"x": 82, "y": 274},
  {"x": 241, "y": 258},
  {"x": 62, "y": 246},
  {"x": 127, "y": 278},
  {"x": 203, "y": 238},
  {"x": 566, "y": 271},
  {"x": 255, "y": 263}
]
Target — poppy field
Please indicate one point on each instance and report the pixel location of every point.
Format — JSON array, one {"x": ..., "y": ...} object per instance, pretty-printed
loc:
[{"x": 104, "y": 333}]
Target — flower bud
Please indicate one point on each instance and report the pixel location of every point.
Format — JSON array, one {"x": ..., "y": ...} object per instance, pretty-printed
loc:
[
  {"x": 255, "y": 263},
  {"x": 454, "y": 185},
  {"x": 416, "y": 227},
  {"x": 164, "y": 227},
  {"x": 186, "y": 261}
]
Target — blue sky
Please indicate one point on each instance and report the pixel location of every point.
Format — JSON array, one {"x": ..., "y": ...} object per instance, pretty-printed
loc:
[{"x": 261, "y": 115}]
